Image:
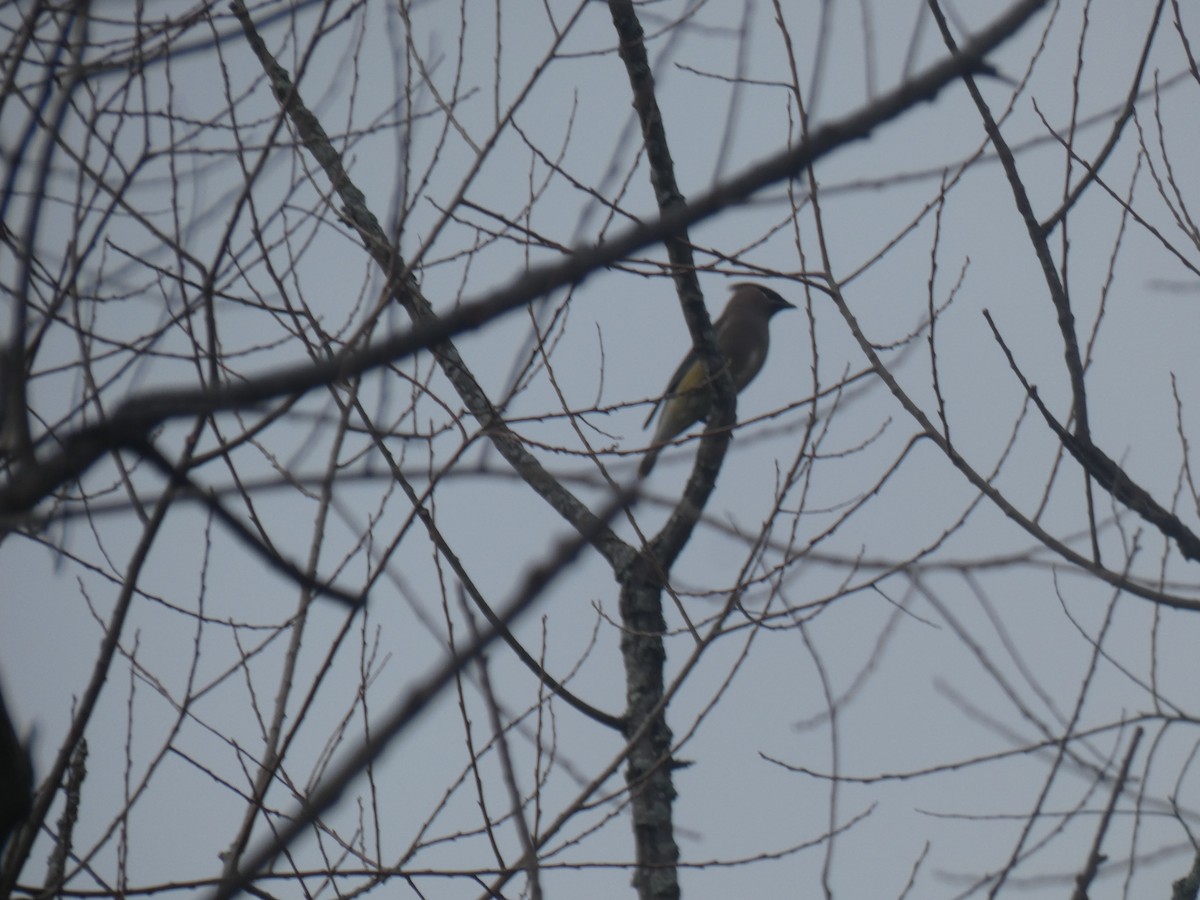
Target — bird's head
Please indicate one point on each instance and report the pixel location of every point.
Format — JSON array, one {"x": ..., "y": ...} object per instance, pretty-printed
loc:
[{"x": 758, "y": 298}]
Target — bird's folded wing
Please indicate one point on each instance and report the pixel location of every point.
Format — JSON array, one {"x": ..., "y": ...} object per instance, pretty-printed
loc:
[{"x": 675, "y": 385}]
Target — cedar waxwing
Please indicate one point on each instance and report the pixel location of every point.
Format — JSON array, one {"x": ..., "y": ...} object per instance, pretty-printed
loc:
[{"x": 743, "y": 338}]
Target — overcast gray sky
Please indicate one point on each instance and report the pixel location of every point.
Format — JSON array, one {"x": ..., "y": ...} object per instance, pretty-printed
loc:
[{"x": 953, "y": 659}]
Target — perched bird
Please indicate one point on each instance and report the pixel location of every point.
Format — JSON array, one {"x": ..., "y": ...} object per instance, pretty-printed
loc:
[{"x": 743, "y": 338}]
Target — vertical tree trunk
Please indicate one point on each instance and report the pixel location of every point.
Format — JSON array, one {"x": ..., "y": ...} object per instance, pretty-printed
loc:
[{"x": 649, "y": 771}]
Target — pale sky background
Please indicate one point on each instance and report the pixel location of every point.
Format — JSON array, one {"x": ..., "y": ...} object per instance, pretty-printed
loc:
[{"x": 908, "y": 668}]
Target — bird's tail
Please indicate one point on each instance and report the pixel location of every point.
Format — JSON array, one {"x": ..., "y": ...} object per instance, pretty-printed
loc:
[{"x": 648, "y": 461}]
